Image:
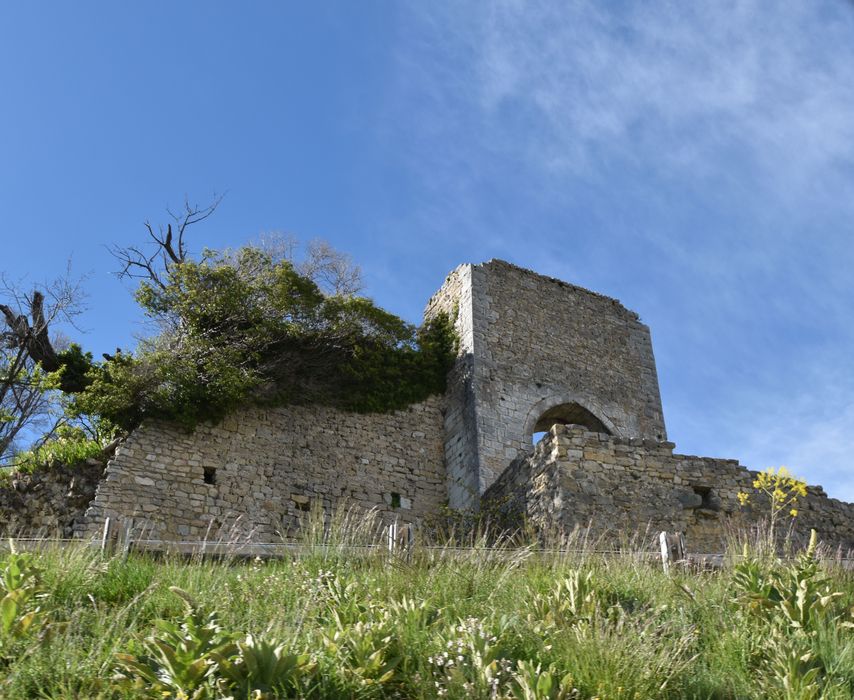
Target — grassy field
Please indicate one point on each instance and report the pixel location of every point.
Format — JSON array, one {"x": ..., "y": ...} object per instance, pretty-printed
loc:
[{"x": 483, "y": 623}]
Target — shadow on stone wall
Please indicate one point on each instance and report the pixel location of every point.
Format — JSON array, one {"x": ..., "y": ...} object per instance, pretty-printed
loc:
[{"x": 48, "y": 502}]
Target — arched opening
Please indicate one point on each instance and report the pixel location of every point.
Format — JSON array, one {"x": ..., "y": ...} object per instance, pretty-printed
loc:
[{"x": 567, "y": 414}]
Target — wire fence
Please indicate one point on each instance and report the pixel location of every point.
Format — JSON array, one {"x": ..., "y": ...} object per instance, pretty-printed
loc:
[{"x": 397, "y": 545}]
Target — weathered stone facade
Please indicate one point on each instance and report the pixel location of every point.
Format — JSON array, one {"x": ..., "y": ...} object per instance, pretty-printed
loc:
[
  {"x": 529, "y": 345},
  {"x": 462, "y": 456},
  {"x": 48, "y": 503},
  {"x": 253, "y": 475},
  {"x": 616, "y": 486},
  {"x": 536, "y": 354}
]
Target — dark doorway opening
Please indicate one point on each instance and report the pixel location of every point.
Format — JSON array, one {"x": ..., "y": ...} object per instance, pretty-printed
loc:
[{"x": 567, "y": 414}]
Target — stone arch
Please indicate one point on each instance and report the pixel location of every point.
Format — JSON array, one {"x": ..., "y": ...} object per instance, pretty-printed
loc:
[{"x": 567, "y": 409}]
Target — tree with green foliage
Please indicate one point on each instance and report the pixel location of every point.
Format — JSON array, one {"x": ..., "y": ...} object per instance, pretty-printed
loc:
[
  {"x": 246, "y": 326},
  {"x": 234, "y": 327}
]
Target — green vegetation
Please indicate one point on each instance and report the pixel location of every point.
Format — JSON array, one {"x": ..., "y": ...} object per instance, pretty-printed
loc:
[
  {"x": 25, "y": 391},
  {"x": 782, "y": 490},
  {"x": 482, "y": 623},
  {"x": 32, "y": 373},
  {"x": 232, "y": 327},
  {"x": 69, "y": 446},
  {"x": 239, "y": 327}
]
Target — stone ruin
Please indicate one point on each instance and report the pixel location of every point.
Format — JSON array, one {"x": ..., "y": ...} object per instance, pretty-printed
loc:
[{"x": 536, "y": 355}]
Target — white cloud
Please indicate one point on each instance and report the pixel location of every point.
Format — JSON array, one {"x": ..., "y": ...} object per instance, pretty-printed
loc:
[
  {"x": 712, "y": 142},
  {"x": 663, "y": 86},
  {"x": 770, "y": 80}
]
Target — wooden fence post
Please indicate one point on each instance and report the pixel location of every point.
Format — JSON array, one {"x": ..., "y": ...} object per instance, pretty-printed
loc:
[
  {"x": 123, "y": 539},
  {"x": 401, "y": 538},
  {"x": 107, "y": 536},
  {"x": 409, "y": 540},
  {"x": 392, "y": 537},
  {"x": 672, "y": 549}
]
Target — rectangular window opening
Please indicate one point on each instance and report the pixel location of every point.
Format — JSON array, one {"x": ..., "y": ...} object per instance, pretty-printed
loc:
[
  {"x": 710, "y": 499},
  {"x": 209, "y": 475},
  {"x": 395, "y": 500}
]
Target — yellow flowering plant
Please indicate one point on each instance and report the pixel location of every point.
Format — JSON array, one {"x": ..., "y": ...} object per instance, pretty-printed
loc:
[{"x": 782, "y": 489}]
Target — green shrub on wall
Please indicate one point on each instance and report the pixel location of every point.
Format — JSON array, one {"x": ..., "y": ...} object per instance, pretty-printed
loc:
[
  {"x": 69, "y": 446},
  {"x": 243, "y": 327}
]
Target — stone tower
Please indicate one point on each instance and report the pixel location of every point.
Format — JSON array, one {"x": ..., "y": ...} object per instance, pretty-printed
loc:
[{"x": 535, "y": 351}]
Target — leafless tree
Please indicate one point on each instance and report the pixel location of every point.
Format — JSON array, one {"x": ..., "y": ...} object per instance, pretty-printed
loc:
[
  {"x": 169, "y": 246},
  {"x": 27, "y": 350},
  {"x": 333, "y": 271}
]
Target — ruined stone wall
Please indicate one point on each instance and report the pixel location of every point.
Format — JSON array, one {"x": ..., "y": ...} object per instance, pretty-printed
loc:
[
  {"x": 254, "y": 474},
  {"x": 530, "y": 343},
  {"x": 461, "y": 444},
  {"x": 619, "y": 486},
  {"x": 48, "y": 502}
]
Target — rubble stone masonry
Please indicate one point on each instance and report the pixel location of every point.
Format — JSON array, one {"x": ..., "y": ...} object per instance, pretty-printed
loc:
[
  {"x": 48, "y": 502},
  {"x": 535, "y": 354},
  {"x": 529, "y": 344},
  {"x": 254, "y": 475},
  {"x": 617, "y": 487}
]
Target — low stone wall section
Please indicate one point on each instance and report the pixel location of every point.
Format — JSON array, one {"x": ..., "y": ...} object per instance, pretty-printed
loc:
[
  {"x": 620, "y": 487},
  {"x": 48, "y": 502},
  {"x": 254, "y": 475}
]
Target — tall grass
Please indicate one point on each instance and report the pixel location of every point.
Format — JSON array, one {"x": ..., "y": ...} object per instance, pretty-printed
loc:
[{"x": 496, "y": 620}]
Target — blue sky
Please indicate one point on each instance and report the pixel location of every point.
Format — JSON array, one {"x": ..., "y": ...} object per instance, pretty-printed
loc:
[{"x": 694, "y": 160}]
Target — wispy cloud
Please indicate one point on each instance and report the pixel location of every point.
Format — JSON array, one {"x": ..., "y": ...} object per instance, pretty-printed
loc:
[
  {"x": 696, "y": 159},
  {"x": 596, "y": 80}
]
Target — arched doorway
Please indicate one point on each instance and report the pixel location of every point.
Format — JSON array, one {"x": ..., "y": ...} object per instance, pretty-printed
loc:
[{"x": 571, "y": 413}]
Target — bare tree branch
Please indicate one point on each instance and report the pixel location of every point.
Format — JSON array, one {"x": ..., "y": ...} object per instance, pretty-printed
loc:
[
  {"x": 334, "y": 271},
  {"x": 168, "y": 250}
]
